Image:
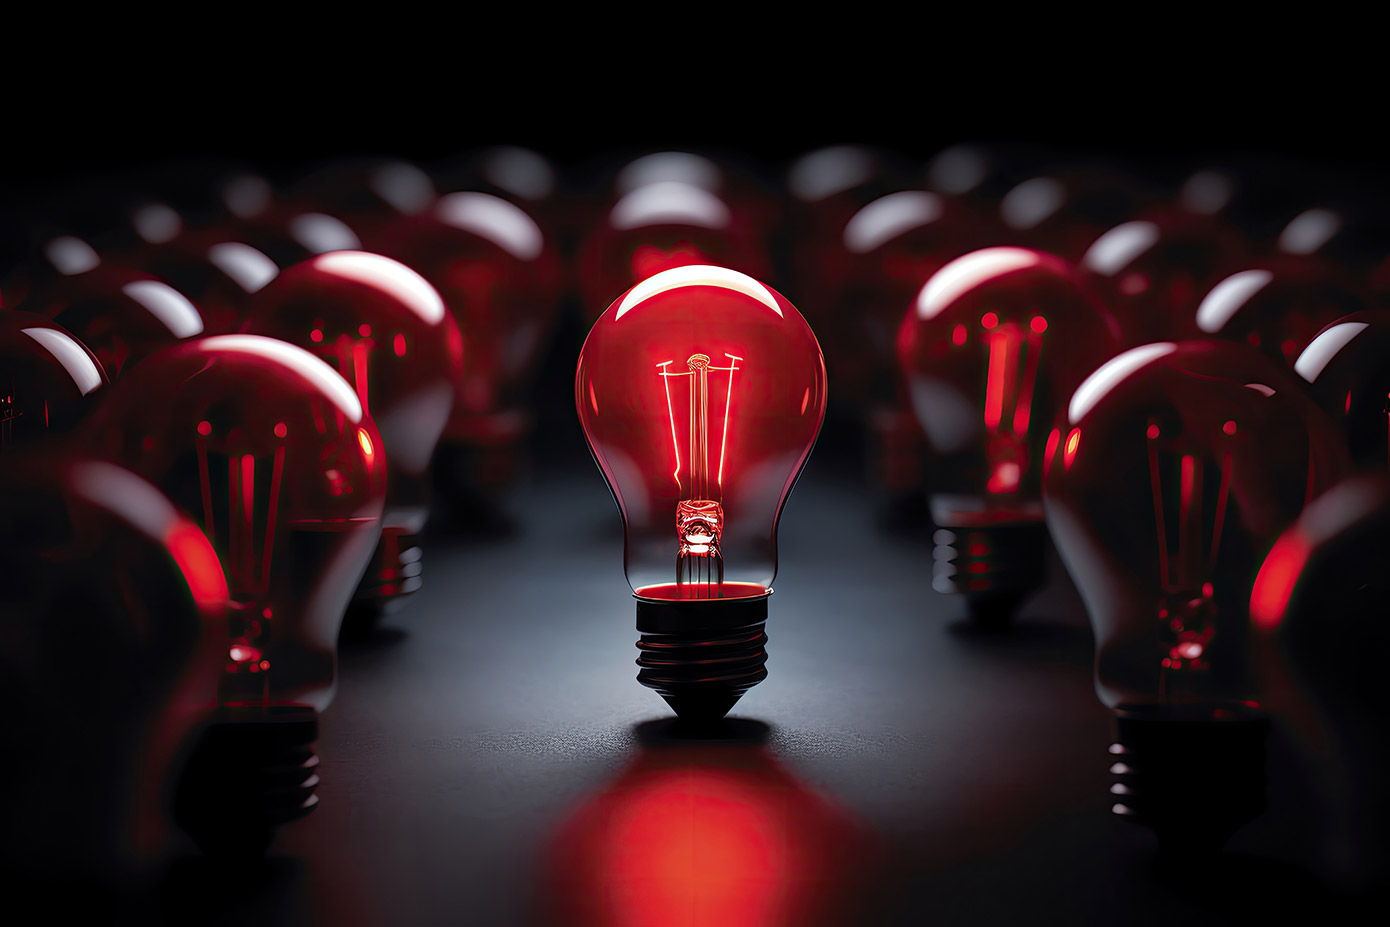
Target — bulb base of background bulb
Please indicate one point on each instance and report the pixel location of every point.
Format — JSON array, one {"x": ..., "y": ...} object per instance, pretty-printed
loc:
[
  {"x": 253, "y": 770},
  {"x": 701, "y": 655},
  {"x": 1194, "y": 774},
  {"x": 995, "y": 566},
  {"x": 394, "y": 575}
]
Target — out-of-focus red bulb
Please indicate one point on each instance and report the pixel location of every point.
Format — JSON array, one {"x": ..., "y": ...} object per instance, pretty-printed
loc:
[
  {"x": 48, "y": 380},
  {"x": 1318, "y": 608},
  {"x": 701, "y": 392},
  {"x": 387, "y": 331},
  {"x": 1063, "y": 211},
  {"x": 272, "y": 453},
  {"x": 994, "y": 344},
  {"x": 657, "y": 225},
  {"x": 113, "y": 613},
  {"x": 1173, "y": 469},
  {"x": 499, "y": 276}
]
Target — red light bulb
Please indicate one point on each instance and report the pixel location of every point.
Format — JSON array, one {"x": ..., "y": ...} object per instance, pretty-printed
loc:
[
  {"x": 499, "y": 277},
  {"x": 113, "y": 613},
  {"x": 1346, "y": 371},
  {"x": 995, "y": 343},
  {"x": 271, "y": 452},
  {"x": 1063, "y": 211},
  {"x": 387, "y": 331},
  {"x": 48, "y": 380},
  {"x": 701, "y": 392},
  {"x": 1175, "y": 467},
  {"x": 1318, "y": 607}
]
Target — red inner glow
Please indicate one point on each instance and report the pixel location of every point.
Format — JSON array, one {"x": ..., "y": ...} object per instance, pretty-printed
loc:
[
  {"x": 989, "y": 320},
  {"x": 727, "y": 590},
  {"x": 198, "y": 562},
  {"x": 1278, "y": 575}
]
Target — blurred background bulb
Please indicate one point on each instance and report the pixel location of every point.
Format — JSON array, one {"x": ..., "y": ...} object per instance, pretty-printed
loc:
[
  {"x": 1347, "y": 370},
  {"x": 994, "y": 344},
  {"x": 113, "y": 614},
  {"x": 701, "y": 392},
  {"x": 48, "y": 381},
  {"x": 387, "y": 331},
  {"x": 269, "y": 449},
  {"x": 1318, "y": 608},
  {"x": 1173, "y": 469}
]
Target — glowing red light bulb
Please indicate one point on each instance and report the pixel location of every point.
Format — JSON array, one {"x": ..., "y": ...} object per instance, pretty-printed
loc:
[
  {"x": 701, "y": 392},
  {"x": 387, "y": 331},
  {"x": 1318, "y": 608},
  {"x": 1181, "y": 464},
  {"x": 271, "y": 452},
  {"x": 113, "y": 613},
  {"x": 991, "y": 349},
  {"x": 48, "y": 380},
  {"x": 499, "y": 276}
]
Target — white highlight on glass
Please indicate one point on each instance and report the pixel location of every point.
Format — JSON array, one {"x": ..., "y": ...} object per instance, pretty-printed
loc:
[
  {"x": 1324, "y": 347},
  {"x": 249, "y": 268},
  {"x": 1226, "y": 298},
  {"x": 71, "y": 256},
  {"x": 390, "y": 276},
  {"x": 500, "y": 222},
  {"x": 70, "y": 354},
  {"x": 520, "y": 171},
  {"x": 325, "y": 378},
  {"x": 957, "y": 170},
  {"x": 123, "y": 493},
  {"x": 823, "y": 173},
  {"x": 890, "y": 216},
  {"x": 679, "y": 166},
  {"x": 967, "y": 272},
  {"x": 320, "y": 233},
  {"x": 1205, "y": 193},
  {"x": 696, "y": 275},
  {"x": 670, "y": 201},
  {"x": 168, "y": 305},
  {"x": 157, "y": 223},
  {"x": 246, "y": 195},
  {"x": 1115, "y": 250},
  {"x": 1028, "y": 204},
  {"x": 405, "y": 188},
  {"x": 1308, "y": 231},
  {"x": 1109, "y": 375}
]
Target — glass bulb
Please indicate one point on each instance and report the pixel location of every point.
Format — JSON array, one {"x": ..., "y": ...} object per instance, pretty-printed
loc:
[
  {"x": 113, "y": 613},
  {"x": 271, "y": 452},
  {"x": 387, "y": 331},
  {"x": 1174, "y": 468},
  {"x": 48, "y": 380},
  {"x": 701, "y": 392},
  {"x": 991, "y": 349},
  {"x": 1318, "y": 607}
]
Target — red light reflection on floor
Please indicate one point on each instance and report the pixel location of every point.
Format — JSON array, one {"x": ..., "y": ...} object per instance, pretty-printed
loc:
[{"x": 707, "y": 834}]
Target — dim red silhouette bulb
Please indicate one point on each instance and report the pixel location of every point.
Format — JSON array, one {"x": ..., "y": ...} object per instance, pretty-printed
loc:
[
  {"x": 48, "y": 381},
  {"x": 1173, "y": 470},
  {"x": 113, "y": 613},
  {"x": 1318, "y": 608},
  {"x": 387, "y": 331},
  {"x": 992, "y": 347},
  {"x": 269, "y": 449},
  {"x": 1347, "y": 371},
  {"x": 701, "y": 392}
]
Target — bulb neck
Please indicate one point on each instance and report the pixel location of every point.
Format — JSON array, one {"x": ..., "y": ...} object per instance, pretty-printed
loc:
[
  {"x": 701, "y": 655},
  {"x": 394, "y": 575},
  {"x": 994, "y": 564},
  {"x": 253, "y": 770},
  {"x": 1193, "y": 774}
]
